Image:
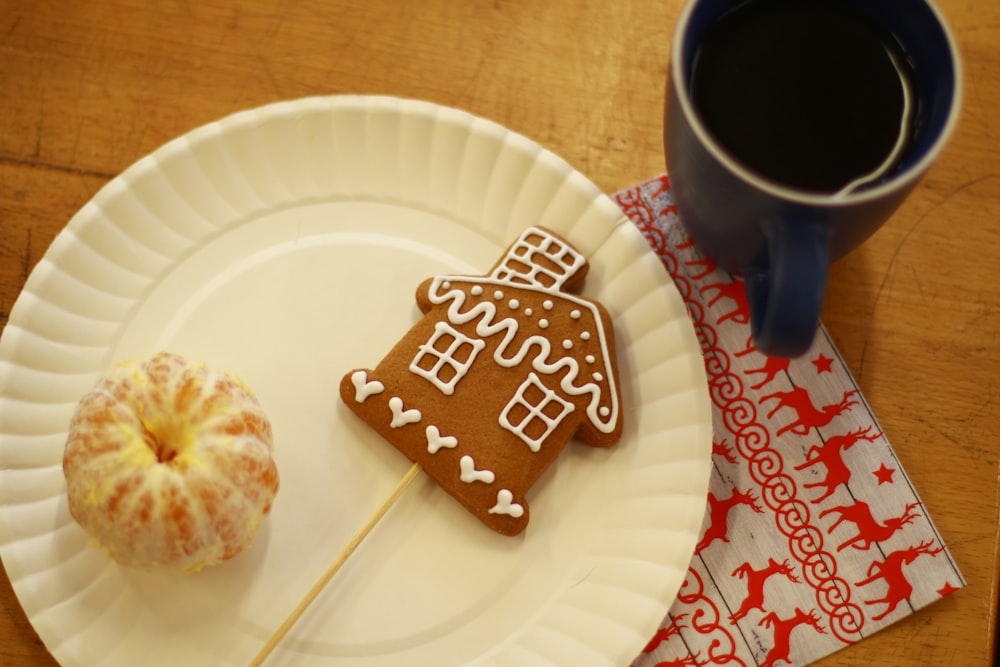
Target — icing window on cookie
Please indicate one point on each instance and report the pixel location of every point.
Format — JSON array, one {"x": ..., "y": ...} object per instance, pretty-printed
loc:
[
  {"x": 534, "y": 412},
  {"x": 446, "y": 357}
]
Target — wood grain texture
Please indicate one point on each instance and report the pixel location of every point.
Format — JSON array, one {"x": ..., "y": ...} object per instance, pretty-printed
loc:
[{"x": 87, "y": 88}]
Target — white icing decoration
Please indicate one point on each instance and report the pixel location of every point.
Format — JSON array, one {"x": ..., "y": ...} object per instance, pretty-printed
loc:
[
  {"x": 475, "y": 291},
  {"x": 518, "y": 272},
  {"x": 529, "y": 312},
  {"x": 597, "y": 376},
  {"x": 543, "y": 323},
  {"x": 447, "y": 358},
  {"x": 548, "y": 305},
  {"x": 470, "y": 474},
  {"x": 567, "y": 344},
  {"x": 605, "y": 410},
  {"x": 537, "y": 253},
  {"x": 575, "y": 314},
  {"x": 534, "y": 413},
  {"x": 514, "y": 304},
  {"x": 436, "y": 441},
  {"x": 498, "y": 295},
  {"x": 401, "y": 417},
  {"x": 506, "y": 505},
  {"x": 363, "y": 388}
]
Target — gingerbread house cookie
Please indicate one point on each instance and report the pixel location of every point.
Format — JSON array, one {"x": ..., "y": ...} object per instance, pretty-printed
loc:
[{"x": 499, "y": 373}]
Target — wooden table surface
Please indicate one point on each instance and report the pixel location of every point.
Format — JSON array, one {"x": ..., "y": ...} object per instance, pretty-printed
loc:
[{"x": 87, "y": 88}]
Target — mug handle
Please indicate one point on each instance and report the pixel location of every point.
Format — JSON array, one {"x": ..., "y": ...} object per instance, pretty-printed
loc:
[{"x": 785, "y": 291}]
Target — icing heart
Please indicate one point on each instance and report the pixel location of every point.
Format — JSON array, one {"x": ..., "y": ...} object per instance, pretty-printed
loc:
[
  {"x": 435, "y": 441},
  {"x": 363, "y": 388},
  {"x": 401, "y": 417},
  {"x": 470, "y": 474},
  {"x": 505, "y": 504}
]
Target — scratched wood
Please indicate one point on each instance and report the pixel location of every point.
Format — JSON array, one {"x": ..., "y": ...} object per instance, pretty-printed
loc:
[{"x": 86, "y": 88}]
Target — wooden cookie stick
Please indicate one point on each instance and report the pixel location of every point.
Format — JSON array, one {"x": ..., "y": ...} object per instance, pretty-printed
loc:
[{"x": 325, "y": 578}]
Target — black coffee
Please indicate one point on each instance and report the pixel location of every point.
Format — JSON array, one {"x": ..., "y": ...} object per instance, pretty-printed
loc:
[{"x": 804, "y": 92}]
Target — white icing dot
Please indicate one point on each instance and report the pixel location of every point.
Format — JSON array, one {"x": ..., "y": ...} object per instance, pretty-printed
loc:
[
  {"x": 543, "y": 323},
  {"x": 514, "y": 304},
  {"x": 529, "y": 312},
  {"x": 605, "y": 411},
  {"x": 476, "y": 290},
  {"x": 597, "y": 376},
  {"x": 575, "y": 314},
  {"x": 446, "y": 285},
  {"x": 498, "y": 295},
  {"x": 585, "y": 335},
  {"x": 590, "y": 358},
  {"x": 567, "y": 344},
  {"x": 548, "y": 305}
]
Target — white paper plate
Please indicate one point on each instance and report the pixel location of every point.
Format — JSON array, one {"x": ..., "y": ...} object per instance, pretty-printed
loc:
[{"x": 285, "y": 244}]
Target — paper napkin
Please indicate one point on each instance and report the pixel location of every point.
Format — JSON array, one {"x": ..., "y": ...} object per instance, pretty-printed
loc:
[{"x": 813, "y": 536}]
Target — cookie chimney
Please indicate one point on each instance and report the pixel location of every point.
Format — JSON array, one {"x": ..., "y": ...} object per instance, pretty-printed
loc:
[{"x": 539, "y": 259}]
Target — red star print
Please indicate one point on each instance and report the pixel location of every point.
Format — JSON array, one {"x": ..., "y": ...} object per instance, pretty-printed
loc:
[
  {"x": 946, "y": 590},
  {"x": 823, "y": 364},
  {"x": 884, "y": 474}
]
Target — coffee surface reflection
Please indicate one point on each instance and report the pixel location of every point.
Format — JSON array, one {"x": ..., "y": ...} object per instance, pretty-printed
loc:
[{"x": 813, "y": 95}]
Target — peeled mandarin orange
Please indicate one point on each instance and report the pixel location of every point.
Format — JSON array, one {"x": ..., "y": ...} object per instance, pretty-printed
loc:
[{"x": 169, "y": 464}]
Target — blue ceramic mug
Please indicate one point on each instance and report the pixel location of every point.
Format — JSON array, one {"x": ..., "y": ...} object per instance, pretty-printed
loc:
[{"x": 793, "y": 129}]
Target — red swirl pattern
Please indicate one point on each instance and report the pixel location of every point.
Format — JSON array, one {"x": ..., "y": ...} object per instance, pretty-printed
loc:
[
  {"x": 778, "y": 490},
  {"x": 705, "y": 616}
]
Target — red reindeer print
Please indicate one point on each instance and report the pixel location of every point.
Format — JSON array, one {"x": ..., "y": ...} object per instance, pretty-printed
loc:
[
  {"x": 870, "y": 531},
  {"x": 664, "y": 185},
  {"x": 707, "y": 264},
  {"x": 718, "y": 517},
  {"x": 704, "y": 265},
  {"x": 724, "y": 450},
  {"x": 690, "y": 660},
  {"x": 830, "y": 454},
  {"x": 783, "y": 628},
  {"x": 737, "y": 293},
  {"x": 890, "y": 570},
  {"x": 770, "y": 370},
  {"x": 748, "y": 348},
  {"x": 663, "y": 634},
  {"x": 669, "y": 209},
  {"x": 755, "y": 584},
  {"x": 808, "y": 415}
]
